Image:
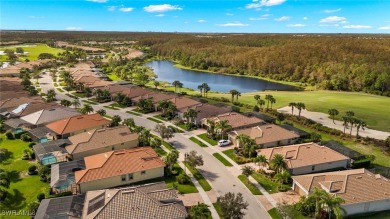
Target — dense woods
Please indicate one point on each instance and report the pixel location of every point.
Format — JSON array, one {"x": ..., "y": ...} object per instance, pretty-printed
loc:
[{"x": 332, "y": 62}]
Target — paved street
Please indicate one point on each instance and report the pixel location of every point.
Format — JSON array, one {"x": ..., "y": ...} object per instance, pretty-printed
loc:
[{"x": 221, "y": 179}]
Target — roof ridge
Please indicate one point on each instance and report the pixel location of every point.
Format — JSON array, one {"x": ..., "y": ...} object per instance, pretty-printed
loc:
[
  {"x": 94, "y": 168},
  {"x": 105, "y": 204},
  {"x": 90, "y": 137}
]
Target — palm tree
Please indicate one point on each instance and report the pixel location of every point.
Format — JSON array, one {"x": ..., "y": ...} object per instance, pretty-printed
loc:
[
  {"x": 268, "y": 97},
  {"x": 223, "y": 126},
  {"x": 360, "y": 124},
  {"x": 210, "y": 128},
  {"x": 102, "y": 112},
  {"x": 272, "y": 100},
  {"x": 206, "y": 88},
  {"x": 65, "y": 103},
  {"x": 350, "y": 113},
  {"x": 333, "y": 202},
  {"x": 129, "y": 123},
  {"x": 261, "y": 160},
  {"x": 190, "y": 115},
  {"x": 352, "y": 122},
  {"x": 51, "y": 95},
  {"x": 176, "y": 84},
  {"x": 282, "y": 177},
  {"x": 115, "y": 120},
  {"x": 233, "y": 93},
  {"x": 248, "y": 145},
  {"x": 292, "y": 104},
  {"x": 200, "y": 211},
  {"x": 171, "y": 159},
  {"x": 300, "y": 106},
  {"x": 345, "y": 122},
  {"x": 333, "y": 113},
  {"x": 76, "y": 103},
  {"x": 257, "y": 98},
  {"x": 277, "y": 163},
  {"x": 237, "y": 94},
  {"x": 261, "y": 103},
  {"x": 156, "y": 84},
  {"x": 171, "y": 110},
  {"x": 87, "y": 109},
  {"x": 200, "y": 87}
]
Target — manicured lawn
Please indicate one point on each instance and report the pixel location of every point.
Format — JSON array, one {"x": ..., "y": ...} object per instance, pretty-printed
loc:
[
  {"x": 184, "y": 127},
  {"x": 209, "y": 140},
  {"x": 198, "y": 176},
  {"x": 196, "y": 141},
  {"x": 110, "y": 107},
  {"x": 90, "y": 102},
  {"x": 230, "y": 153},
  {"x": 185, "y": 189},
  {"x": 266, "y": 183},
  {"x": 117, "y": 105},
  {"x": 60, "y": 90},
  {"x": 23, "y": 188},
  {"x": 160, "y": 151},
  {"x": 107, "y": 116},
  {"x": 168, "y": 146},
  {"x": 82, "y": 95},
  {"x": 217, "y": 207},
  {"x": 160, "y": 118},
  {"x": 254, "y": 190},
  {"x": 33, "y": 51},
  {"x": 175, "y": 129},
  {"x": 222, "y": 159},
  {"x": 133, "y": 113},
  {"x": 371, "y": 108},
  {"x": 113, "y": 77},
  {"x": 154, "y": 120},
  {"x": 55, "y": 85}
]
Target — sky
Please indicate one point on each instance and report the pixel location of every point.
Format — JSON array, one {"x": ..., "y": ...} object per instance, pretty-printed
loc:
[{"x": 242, "y": 16}]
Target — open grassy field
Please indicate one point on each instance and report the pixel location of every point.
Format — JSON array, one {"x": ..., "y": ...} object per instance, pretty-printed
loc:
[
  {"x": 23, "y": 188},
  {"x": 33, "y": 51}
]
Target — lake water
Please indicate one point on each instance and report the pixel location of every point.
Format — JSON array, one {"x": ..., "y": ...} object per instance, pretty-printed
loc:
[{"x": 166, "y": 71}]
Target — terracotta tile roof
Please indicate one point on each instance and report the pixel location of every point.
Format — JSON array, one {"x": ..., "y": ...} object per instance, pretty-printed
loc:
[
  {"x": 266, "y": 133},
  {"x": 76, "y": 123},
  {"x": 184, "y": 102},
  {"x": 136, "y": 91},
  {"x": 237, "y": 120},
  {"x": 116, "y": 163},
  {"x": 10, "y": 70},
  {"x": 301, "y": 155},
  {"x": 13, "y": 94},
  {"x": 155, "y": 96},
  {"x": 10, "y": 84},
  {"x": 354, "y": 186},
  {"x": 17, "y": 101},
  {"x": 97, "y": 84},
  {"x": 205, "y": 110},
  {"x": 49, "y": 115},
  {"x": 114, "y": 88},
  {"x": 95, "y": 139},
  {"x": 16, "y": 68},
  {"x": 145, "y": 201},
  {"x": 86, "y": 79}
]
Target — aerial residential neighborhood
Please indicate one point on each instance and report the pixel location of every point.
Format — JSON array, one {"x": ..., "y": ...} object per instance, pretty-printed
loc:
[{"x": 272, "y": 109}]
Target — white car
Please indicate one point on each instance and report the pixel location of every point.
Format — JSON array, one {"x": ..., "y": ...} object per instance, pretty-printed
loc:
[{"x": 222, "y": 143}]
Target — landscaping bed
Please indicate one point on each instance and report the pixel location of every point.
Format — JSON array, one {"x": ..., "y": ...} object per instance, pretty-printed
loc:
[
  {"x": 198, "y": 176},
  {"x": 254, "y": 190},
  {"x": 196, "y": 141},
  {"x": 222, "y": 159}
]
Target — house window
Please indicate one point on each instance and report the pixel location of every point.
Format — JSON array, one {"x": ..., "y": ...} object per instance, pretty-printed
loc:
[
  {"x": 313, "y": 168},
  {"x": 131, "y": 177},
  {"x": 143, "y": 172},
  {"x": 123, "y": 178}
]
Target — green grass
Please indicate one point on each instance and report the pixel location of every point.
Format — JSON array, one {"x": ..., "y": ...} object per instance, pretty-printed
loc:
[
  {"x": 160, "y": 117},
  {"x": 33, "y": 51},
  {"x": 207, "y": 139},
  {"x": 133, "y": 113},
  {"x": 60, "y": 90},
  {"x": 110, "y": 107},
  {"x": 217, "y": 207},
  {"x": 222, "y": 159},
  {"x": 274, "y": 213},
  {"x": 63, "y": 84},
  {"x": 55, "y": 85},
  {"x": 266, "y": 183},
  {"x": 117, "y": 105},
  {"x": 81, "y": 95},
  {"x": 168, "y": 146},
  {"x": 175, "y": 129},
  {"x": 254, "y": 190},
  {"x": 196, "y": 141},
  {"x": 160, "y": 151},
  {"x": 23, "y": 188},
  {"x": 371, "y": 108},
  {"x": 90, "y": 102},
  {"x": 198, "y": 176},
  {"x": 113, "y": 77},
  {"x": 154, "y": 120},
  {"x": 107, "y": 116},
  {"x": 230, "y": 153}
]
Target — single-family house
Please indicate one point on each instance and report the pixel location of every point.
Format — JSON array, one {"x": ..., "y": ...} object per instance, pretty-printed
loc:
[
  {"x": 184, "y": 102},
  {"x": 28, "y": 108},
  {"x": 156, "y": 97},
  {"x": 236, "y": 120},
  {"x": 51, "y": 152},
  {"x": 203, "y": 111},
  {"x": 362, "y": 190},
  {"x": 136, "y": 91},
  {"x": 144, "y": 201},
  {"x": 17, "y": 125},
  {"x": 45, "y": 116},
  {"x": 118, "y": 168},
  {"x": 307, "y": 158},
  {"x": 62, "y": 177},
  {"x": 99, "y": 141},
  {"x": 266, "y": 136},
  {"x": 77, "y": 124}
]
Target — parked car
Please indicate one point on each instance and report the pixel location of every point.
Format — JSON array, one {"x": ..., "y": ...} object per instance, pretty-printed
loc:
[{"x": 222, "y": 142}]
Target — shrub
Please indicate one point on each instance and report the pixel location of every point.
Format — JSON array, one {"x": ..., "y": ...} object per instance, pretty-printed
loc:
[
  {"x": 224, "y": 99},
  {"x": 40, "y": 197},
  {"x": 32, "y": 170},
  {"x": 18, "y": 135},
  {"x": 183, "y": 179},
  {"x": 241, "y": 160},
  {"x": 256, "y": 109},
  {"x": 33, "y": 207},
  {"x": 31, "y": 144},
  {"x": 9, "y": 135},
  {"x": 25, "y": 137}
]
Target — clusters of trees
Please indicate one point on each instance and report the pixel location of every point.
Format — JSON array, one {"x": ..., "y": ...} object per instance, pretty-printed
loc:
[
  {"x": 350, "y": 121},
  {"x": 217, "y": 130}
]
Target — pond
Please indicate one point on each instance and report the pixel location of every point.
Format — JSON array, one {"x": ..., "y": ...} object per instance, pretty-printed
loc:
[{"x": 166, "y": 71}]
